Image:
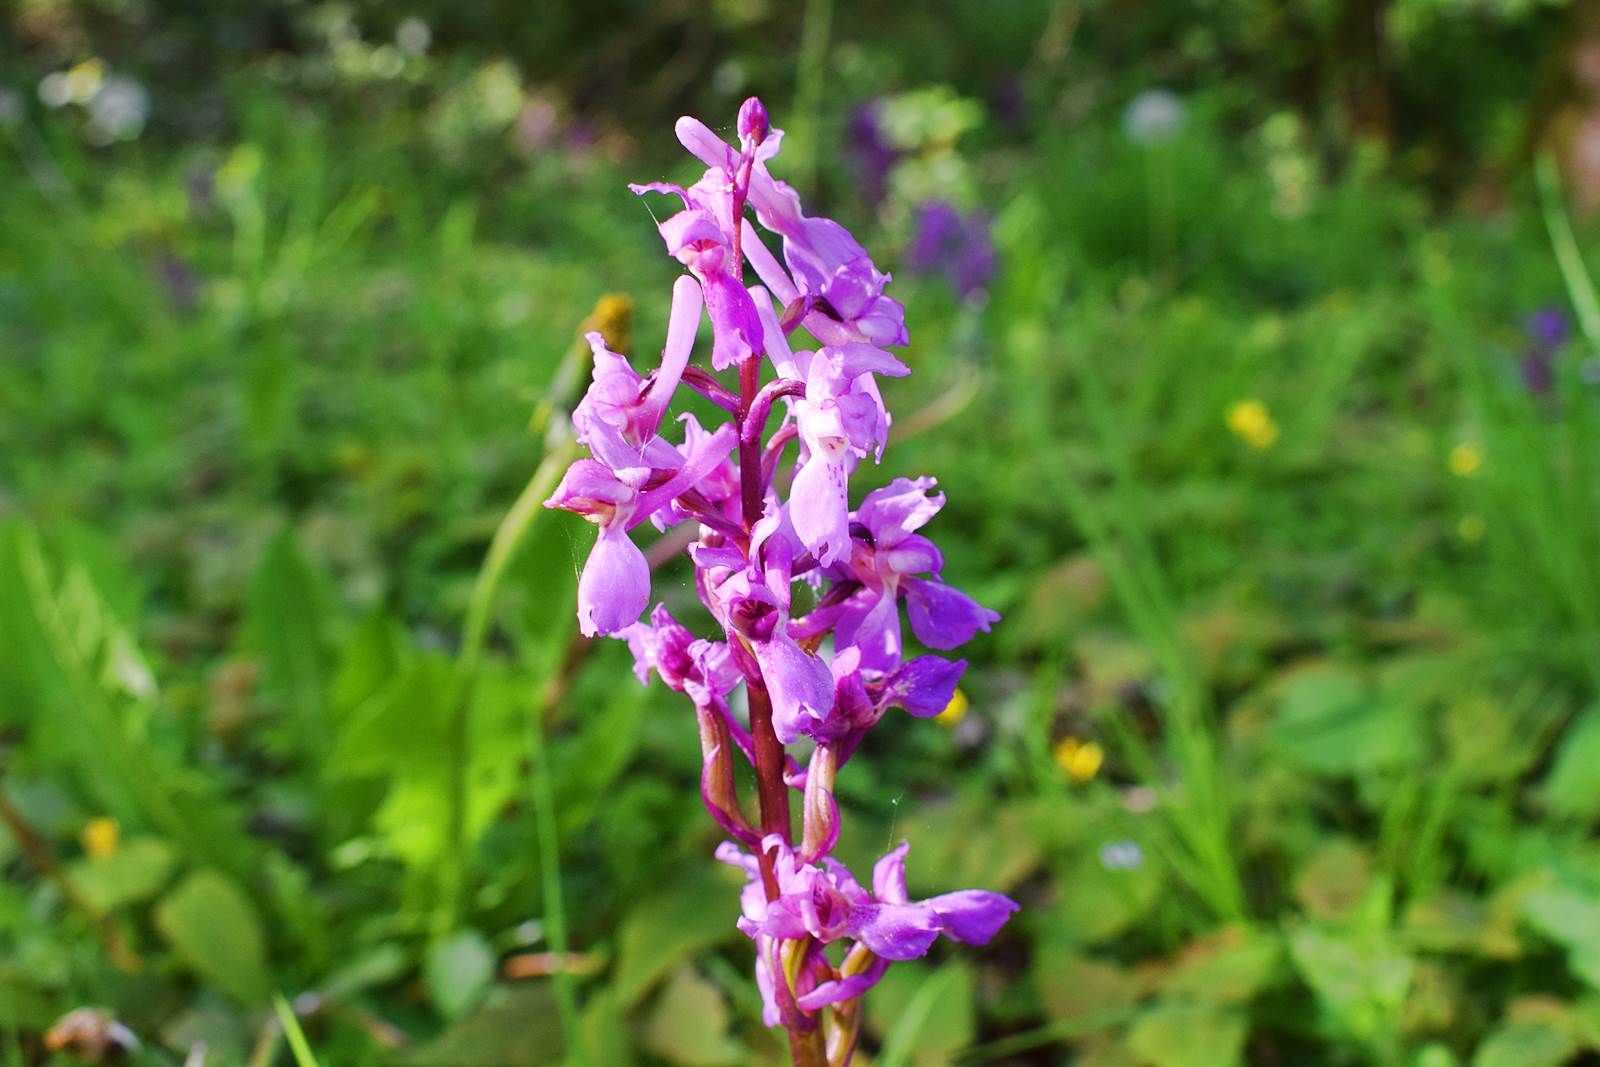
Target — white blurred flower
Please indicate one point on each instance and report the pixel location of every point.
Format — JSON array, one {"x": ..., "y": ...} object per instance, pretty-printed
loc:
[
  {"x": 117, "y": 112},
  {"x": 53, "y": 89},
  {"x": 413, "y": 36},
  {"x": 1121, "y": 856},
  {"x": 1154, "y": 117}
]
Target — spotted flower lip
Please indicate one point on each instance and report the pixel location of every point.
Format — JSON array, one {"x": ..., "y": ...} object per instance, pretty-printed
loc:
[{"x": 804, "y": 594}]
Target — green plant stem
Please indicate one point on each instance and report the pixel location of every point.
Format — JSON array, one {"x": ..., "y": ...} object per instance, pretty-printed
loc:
[
  {"x": 513, "y": 530},
  {"x": 1579, "y": 285},
  {"x": 815, "y": 28},
  {"x": 555, "y": 912}
]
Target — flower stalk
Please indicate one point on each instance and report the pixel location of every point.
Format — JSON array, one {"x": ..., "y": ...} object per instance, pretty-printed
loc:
[{"x": 816, "y": 679}]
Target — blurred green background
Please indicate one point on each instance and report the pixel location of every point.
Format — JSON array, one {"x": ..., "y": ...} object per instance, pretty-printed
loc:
[{"x": 1253, "y": 345}]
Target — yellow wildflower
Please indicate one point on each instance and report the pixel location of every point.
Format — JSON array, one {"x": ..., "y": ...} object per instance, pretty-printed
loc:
[
  {"x": 1465, "y": 460},
  {"x": 1252, "y": 423},
  {"x": 85, "y": 80},
  {"x": 954, "y": 711},
  {"x": 100, "y": 837},
  {"x": 1081, "y": 760}
]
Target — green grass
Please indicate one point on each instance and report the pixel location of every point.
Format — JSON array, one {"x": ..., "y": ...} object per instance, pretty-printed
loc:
[{"x": 256, "y": 609}]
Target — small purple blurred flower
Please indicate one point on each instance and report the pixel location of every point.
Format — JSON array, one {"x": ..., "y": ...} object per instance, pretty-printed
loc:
[
  {"x": 959, "y": 246},
  {"x": 183, "y": 285},
  {"x": 872, "y": 156},
  {"x": 1548, "y": 331},
  {"x": 1549, "y": 328}
]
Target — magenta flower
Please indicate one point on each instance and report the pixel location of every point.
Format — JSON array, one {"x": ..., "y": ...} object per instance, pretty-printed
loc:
[
  {"x": 824, "y": 902},
  {"x": 768, "y": 495}
]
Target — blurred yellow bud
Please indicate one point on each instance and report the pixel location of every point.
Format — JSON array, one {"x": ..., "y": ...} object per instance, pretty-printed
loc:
[
  {"x": 100, "y": 837},
  {"x": 1465, "y": 460},
  {"x": 1081, "y": 760},
  {"x": 1252, "y": 423},
  {"x": 954, "y": 711},
  {"x": 1471, "y": 528}
]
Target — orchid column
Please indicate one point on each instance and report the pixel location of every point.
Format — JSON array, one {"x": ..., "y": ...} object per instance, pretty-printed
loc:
[{"x": 822, "y": 323}]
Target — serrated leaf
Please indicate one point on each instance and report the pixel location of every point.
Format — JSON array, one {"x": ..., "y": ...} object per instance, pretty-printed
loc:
[{"x": 213, "y": 927}]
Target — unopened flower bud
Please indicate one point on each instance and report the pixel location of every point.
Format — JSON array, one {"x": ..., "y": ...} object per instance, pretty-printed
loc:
[{"x": 753, "y": 121}]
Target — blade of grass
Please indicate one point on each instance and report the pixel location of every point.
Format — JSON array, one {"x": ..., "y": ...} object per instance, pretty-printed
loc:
[
  {"x": 555, "y": 913},
  {"x": 900, "y": 1041},
  {"x": 298, "y": 1045}
]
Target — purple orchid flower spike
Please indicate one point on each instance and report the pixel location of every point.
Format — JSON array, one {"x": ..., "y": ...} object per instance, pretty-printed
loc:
[{"x": 807, "y": 347}]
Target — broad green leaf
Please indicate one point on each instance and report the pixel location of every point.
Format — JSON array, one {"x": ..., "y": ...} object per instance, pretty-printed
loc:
[
  {"x": 23, "y": 1005},
  {"x": 136, "y": 871},
  {"x": 1361, "y": 980},
  {"x": 1074, "y": 987},
  {"x": 1450, "y": 921},
  {"x": 379, "y": 966},
  {"x": 1189, "y": 1035},
  {"x": 289, "y": 619},
  {"x": 689, "y": 1024},
  {"x": 72, "y": 662},
  {"x": 1526, "y": 1043},
  {"x": 925, "y": 1016},
  {"x": 1332, "y": 722},
  {"x": 1097, "y": 903},
  {"x": 1334, "y": 880},
  {"x": 1572, "y": 920},
  {"x": 458, "y": 971},
  {"x": 686, "y": 916},
  {"x": 1487, "y": 742},
  {"x": 606, "y": 1030},
  {"x": 1228, "y": 967},
  {"x": 517, "y": 1025},
  {"x": 1572, "y": 790},
  {"x": 213, "y": 927}
]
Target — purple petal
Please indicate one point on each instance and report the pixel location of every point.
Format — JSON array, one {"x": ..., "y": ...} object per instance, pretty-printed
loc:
[
  {"x": 972, "y": 915},
  {"x": 876, "y": 631},
  {"x": 681, "y": 330},
  {"x": 925, "y": 685},
  {"x": 801, "y": 687},
  {"x": 614, "y": 588},
  {"x": 889, "y": 876},
  {"x": 943, "y": 617},
  {"x": 900, "y": 507},
  {"x": 848, "y": 988},
  {"x": 896, "y": 931},
  {"x": 768, "y": 269},
  {"x": 819, "y": 507}
]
